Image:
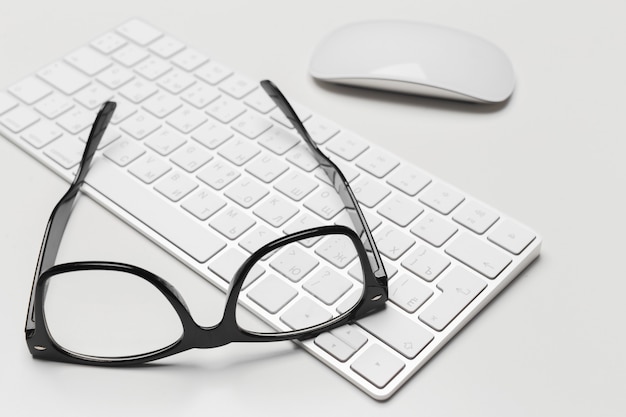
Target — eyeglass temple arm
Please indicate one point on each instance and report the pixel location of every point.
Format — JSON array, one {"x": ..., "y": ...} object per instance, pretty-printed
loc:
[
  {"x": 62, "y": 211},
  {"x": 348, "y": 196}
]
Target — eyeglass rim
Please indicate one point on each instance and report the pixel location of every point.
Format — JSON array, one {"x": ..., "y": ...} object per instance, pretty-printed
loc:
[{"x": 43, "y": 345}]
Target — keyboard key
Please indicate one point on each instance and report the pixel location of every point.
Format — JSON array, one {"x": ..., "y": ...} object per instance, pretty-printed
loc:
[
  {"x": 30, "y": 90},
  {"x": 149, "y": 168},
  {"x": 203, "y": 203},
  {"x": 152, "y": 68},
  {"x": 140, "y": 125},
  {"x": 409, "y": 180},
  {"x": 459, "y": 288},
  {"x": 511, "y": 236},
  {"x": 213, "y": 72},
  {"x": 53, "y": 105},
  {"x": 108, "y": 43},
  {"x": 123, "y": 111},
  {"x": 66, "y": 151},
  {"x": 175, "y": 186},
  {"x": 478, "y": 255},
  {"x": 19, "y": 119},
  {"x": 398, "y": 331},
  {"x": 304, "y": 313},
  {"x": 408, "y": 293},
  {"x": 267, "y": 168},
  {"x": 40, "y": 134},
  {"x": 165, "y": 141},
  {"x": 475, "y": 217},
  {"x": 295, "y": 185},
  {"x": 227, "y": 264},
  {"x": 434, "y": 229},
  {"x": 218, "y": 174},
  {"x": 338, "y": 250},
  {"x": 393, "y": 243},
  {"x": 93, "y": 96},
  {"x": 176, "y": 81},
  {"x": 115, "y": 76},
  {"x": 325, "y": 202},
  {"x": 64, "y": 77},
  {"x": 350, "y": 335},
  {"x": 272, "y": 293},
  {"x": 88, "y": 61},
  {"x": 246, "y": 192},
  {"x": 189, "y": 59},
  {"x": 302, "y": 158},
  {"x": 293, "y": 263},
  {"x": 138, "y": 90},
  {"x": 76, "y": 120},
  {"x": 212, "y": 134},
  {"x": 327, "y": 285},
  {"x": 130, "y": 55},
  {"x": 441, "y": 198},
  {"x": 251, "y": 125},
  {"x": 225, "y": 109},
  {"x": 232, "y": 222},
  {"x": 377, "y": 162},
  {"x": 347, "y": 146},
  {"x": 426, "y": 263},
  {"x": 400, "y": 210},
  {"x": 191, "y": 157},
  {"x": 259, "y": 101},
  {"x": 166, "y": 46},
  {"x": 335, "y": 347},
  {"x": 6, "y": 103},
  {"x": 369, "y": 192},
  {"x": 320, "y": 129},
  {"x": 186, "y": 119},
  {"x": 278, "y": 140},
  {"x": 139, "y": 32},
  {"x": 257, "y": 238},
  {"x": 304, "y": 222},
  {"x": 239, "y": 151},
  {"x": 276, "y": 211},
  {"x": 238, "y": 86},
  {"x": 200, "y": 94},
  {"x": 377, "y": 366},
  {"x": 124, "y": 151},
  {"x": 161, "y": 104}
]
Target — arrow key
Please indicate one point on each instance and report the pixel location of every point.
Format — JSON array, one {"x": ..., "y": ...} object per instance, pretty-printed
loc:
[
  {"x": 377, "y": 365},
  {"x": 335, "y": 347}
]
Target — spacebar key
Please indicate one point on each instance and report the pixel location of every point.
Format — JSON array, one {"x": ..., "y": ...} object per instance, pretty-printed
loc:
[{"x": 174, "y": 225}]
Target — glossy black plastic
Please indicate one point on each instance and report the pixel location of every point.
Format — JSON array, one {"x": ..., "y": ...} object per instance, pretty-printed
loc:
[{"x": 43, "y": 346}]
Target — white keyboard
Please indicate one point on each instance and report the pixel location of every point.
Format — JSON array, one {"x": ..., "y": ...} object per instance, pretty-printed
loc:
[{"x": 199, "y": 160}]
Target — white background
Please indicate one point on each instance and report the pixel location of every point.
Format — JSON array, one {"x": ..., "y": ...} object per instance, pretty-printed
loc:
[{"x": 553, "y": 343}]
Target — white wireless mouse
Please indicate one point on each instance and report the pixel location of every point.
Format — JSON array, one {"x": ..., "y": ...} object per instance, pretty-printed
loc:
[{"x": 415, "y": 58}]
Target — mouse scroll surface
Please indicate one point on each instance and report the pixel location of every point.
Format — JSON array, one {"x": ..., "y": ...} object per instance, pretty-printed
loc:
[{"x": 415, "y": 58}]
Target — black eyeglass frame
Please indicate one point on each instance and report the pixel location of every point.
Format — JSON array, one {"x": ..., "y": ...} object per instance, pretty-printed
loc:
[{"x": 43, "y": 346}]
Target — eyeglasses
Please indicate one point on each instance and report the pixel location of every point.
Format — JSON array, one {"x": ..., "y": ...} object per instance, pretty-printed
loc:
[{"x": 109, "y": 313}]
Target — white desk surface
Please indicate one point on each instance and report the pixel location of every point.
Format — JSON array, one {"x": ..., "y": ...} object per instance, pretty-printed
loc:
[{"x": 553, "y": 343}]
